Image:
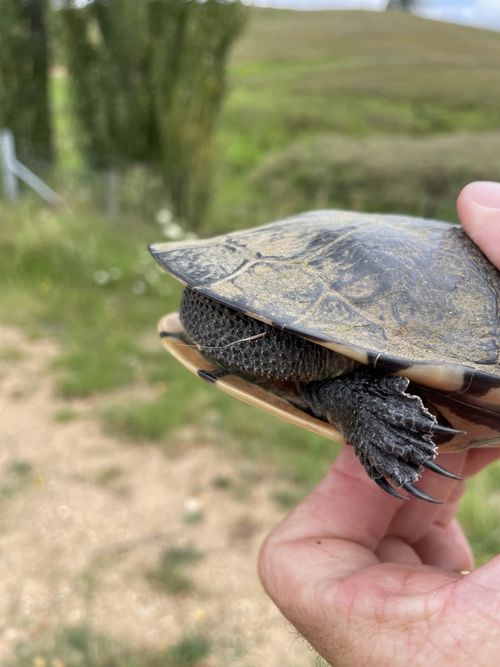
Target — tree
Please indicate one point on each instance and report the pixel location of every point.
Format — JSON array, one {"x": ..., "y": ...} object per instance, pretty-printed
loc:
[
  {"x": 24, "y": 76},
  {"x": 402, "y": 5},
  {"x": 148, "y": 81},
  {"x": 190, "y": 47}
]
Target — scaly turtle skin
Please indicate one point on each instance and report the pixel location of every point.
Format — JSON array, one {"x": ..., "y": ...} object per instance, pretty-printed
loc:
[{"x": 384, "y": 326}]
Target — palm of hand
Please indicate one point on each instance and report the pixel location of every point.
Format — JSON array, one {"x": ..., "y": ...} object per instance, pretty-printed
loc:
[{"x": 367, "y": 578}]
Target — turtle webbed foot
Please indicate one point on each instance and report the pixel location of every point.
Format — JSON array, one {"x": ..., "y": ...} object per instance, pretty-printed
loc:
[{"x": 391, "y": 431}]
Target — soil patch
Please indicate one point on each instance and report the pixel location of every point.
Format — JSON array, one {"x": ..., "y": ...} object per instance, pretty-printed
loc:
[{"x": 85, "y": 520}]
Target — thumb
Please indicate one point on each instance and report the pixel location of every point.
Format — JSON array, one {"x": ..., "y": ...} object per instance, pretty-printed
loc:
[{"x": 479, "y": 211}]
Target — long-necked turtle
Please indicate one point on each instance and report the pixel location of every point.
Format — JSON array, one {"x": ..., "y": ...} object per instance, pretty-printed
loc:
[{"x": 377, "y": 330}]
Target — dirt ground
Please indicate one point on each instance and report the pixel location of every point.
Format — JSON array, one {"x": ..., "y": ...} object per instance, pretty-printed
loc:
[{"x": 83, "y": 517}]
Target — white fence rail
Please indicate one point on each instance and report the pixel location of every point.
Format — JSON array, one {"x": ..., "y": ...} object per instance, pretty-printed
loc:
[{"x": 12, "y": 170}]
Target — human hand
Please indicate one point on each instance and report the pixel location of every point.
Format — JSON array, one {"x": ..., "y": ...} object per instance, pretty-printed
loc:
[{"x": 370, "y": 580}]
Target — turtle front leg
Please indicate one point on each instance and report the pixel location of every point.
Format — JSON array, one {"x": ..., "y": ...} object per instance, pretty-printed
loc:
[{"x": 391, "y": 431}]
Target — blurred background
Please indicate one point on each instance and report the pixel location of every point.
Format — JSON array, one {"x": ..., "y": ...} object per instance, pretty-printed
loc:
[{"x": 133, "y": 498}]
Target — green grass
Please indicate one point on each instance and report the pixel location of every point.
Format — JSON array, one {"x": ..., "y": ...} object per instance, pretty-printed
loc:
[
  {"x": 296, "y": 76},
  {"x": 278, "y": 37},
  {"x": 11, "y": 354},
  {"x": 52, "y": 265},
  {"x": 81, "y": 646},
  {"x": 188, "y": 652},
  {"x": 479, "y": 512},
  {"x": 417, "y": 176},
  {"x": 109, "y": 475},
  {"x": 14, "y": 478},
  {"x": 63, "y": 415},
  {"x": 182, "y": 401},
  {"x": 48, "y": 266},
  {"x": 302, "y": 456},
  {"x": 170, "y": 575}
]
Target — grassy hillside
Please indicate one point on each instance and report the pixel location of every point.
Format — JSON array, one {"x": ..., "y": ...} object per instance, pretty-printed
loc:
[
  {"x": 291, "y": 36},
  {"x": 369, "y": 71},
  {"x": 297, "y": 76}
]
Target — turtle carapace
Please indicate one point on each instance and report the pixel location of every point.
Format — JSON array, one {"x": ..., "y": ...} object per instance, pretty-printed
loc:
[{"x": 384, "y": 326}]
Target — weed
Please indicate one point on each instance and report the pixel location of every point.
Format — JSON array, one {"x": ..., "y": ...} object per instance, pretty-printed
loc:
[
  {"x": 17, "y": 476},
  {"x": 81, "y": 646},
  {"x": 11, "y": 354},
  {"x": 109, "y": 475},
  {"x": 286, "y": 498},
  {"x": 169, "y": 575},
  {"x": 222, "y": 482},
  {"x": 188, "y": 652},
  {"x": 64, "y": 415}
]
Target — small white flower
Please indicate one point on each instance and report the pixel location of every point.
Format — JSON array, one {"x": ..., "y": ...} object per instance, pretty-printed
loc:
[
  {"x": 153, "y": 277},
  {"x": 192, "y": 505},
  {"x": 101, "y": 277},
  {"x": 163, "y": 216},
  {"x": 138, "y": 287},
  {"x": 192, "y": 510},
  {"x": 173, "y": 231}
]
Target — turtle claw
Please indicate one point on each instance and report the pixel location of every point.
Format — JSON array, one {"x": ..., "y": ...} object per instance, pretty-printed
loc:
[
  {"x": 439, "y": 429},
  {"x": 431, "y": 465},
  {"x": 211, "y": 376},
  {"x": 170, "y": 334},
  {"x": 390, "y": 430},
  {"x": 418, "y": 493},
  {"x": 385, "y": 486}
]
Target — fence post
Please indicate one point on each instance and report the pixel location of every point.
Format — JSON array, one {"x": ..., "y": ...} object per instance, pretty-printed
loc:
[
  {"x": 12, "y": 169},
  {"x": 8, "y": 162},
  {"x": 112, "y": 182},
  {"x": 35, "y": 183}
]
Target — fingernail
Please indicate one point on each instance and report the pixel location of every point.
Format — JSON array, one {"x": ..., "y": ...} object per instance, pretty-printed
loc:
[{"x": 486, "y": 193}]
